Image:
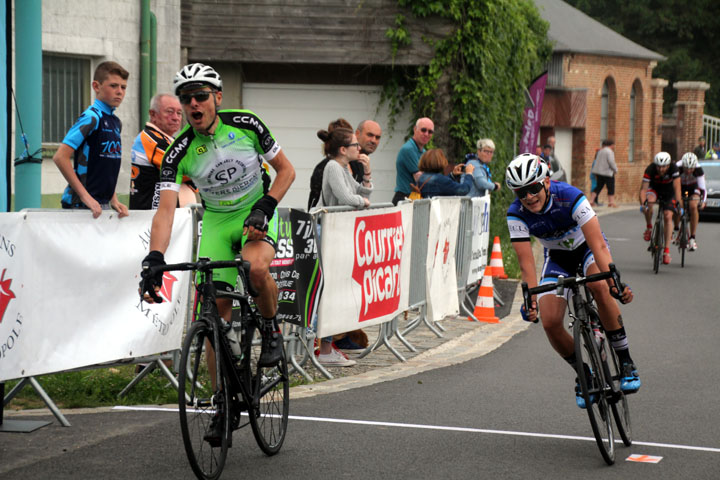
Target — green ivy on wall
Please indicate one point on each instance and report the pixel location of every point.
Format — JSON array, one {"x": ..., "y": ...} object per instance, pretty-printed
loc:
[{"x": 474, "y": 85}]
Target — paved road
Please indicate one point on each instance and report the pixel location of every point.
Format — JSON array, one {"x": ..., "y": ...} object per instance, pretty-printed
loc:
[{"x": 507, "y": 414}]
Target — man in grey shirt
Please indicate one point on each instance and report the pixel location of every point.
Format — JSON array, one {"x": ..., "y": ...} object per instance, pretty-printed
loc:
[{"x": 605, "y": 169}]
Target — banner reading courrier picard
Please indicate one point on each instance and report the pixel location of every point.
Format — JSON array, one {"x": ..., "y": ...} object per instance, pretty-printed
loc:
[
  {"x": 531, "y": 117},
  {"x": 366, "y": 267},
  {"x": 69, "y": 290}
]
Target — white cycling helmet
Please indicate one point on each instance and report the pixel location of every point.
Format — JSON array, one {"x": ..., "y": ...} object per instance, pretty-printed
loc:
[
  {"x": 662, "y": 159},
  {"x": 196, "y": 75},
  {"x": 524, "y": 170},
  {"x": 690, "y": 160}
]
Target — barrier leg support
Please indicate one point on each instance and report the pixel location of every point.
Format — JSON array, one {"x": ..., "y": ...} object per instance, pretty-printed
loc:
[
  {"x": 387, "y": 329},
  {"x": 294, "y": 341},
  {"x": 45, "y": 397},
  {"x": 396, "y": 330}
]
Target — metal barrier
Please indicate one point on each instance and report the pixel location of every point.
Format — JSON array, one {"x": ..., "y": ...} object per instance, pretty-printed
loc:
[{"x": 299, "y": 339}]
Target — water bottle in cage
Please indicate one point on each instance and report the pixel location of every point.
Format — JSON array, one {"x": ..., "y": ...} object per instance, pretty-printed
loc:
[
  {"x": 233, "y": 337},
  {"x": 600, "y": 339}
]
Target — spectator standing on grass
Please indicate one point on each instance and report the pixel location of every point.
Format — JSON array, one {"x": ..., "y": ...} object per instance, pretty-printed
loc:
[
  {"x": 90, "y": 154},
  {"x": 409, "y": 156}
]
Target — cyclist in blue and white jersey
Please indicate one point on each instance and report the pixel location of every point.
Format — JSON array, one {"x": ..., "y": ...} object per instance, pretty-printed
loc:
[{"x": 561, "y": 218}]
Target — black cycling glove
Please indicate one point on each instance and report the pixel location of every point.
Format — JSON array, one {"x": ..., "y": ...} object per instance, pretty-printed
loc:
[
  {"x": 618, "y": 295},
  {"x": 149, "y": 282},
  {"x": 261, "y": 213}
]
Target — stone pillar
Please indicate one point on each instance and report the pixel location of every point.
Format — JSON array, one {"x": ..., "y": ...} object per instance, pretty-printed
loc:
[
  {"x": 657, "y": 85},
  {"x": 689, "y": 110}
]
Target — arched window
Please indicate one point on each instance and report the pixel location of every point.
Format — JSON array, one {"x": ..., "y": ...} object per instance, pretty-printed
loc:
[
  {"x": 631, "y": 132},
  {"x": 604, "y": 109}
]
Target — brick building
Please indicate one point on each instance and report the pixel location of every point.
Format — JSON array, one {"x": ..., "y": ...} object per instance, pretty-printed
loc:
[{"x": 600, "y": 86}]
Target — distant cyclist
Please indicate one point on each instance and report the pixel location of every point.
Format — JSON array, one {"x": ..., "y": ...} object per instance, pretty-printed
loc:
[
  {"x": 222, "y": 152},
  {"x": 661, "y": 181},
  {"x": 692, "y": 184},
  {"x": 561, "y": 218}
]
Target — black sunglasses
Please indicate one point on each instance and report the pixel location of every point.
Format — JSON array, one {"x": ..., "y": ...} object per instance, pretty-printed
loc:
[
  {"x": 202, "y": 96},
  {"x": 533, "y": 189},
  {"x": 427, "y": 130},
  {"x": 352, "y": 145}
]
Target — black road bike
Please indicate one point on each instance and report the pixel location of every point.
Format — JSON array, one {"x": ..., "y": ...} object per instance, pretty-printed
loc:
[
  {"x": 219, "y": 376},
  {"x": 601, "y": 389},
  {"x": 657, "y": 239}
]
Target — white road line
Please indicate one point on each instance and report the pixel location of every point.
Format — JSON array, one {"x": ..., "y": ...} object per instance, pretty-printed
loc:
[{"x": 451, "y": 429}]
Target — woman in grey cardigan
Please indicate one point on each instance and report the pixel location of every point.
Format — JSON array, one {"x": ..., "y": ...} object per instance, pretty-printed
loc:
[{"x": 338, "y": 185}]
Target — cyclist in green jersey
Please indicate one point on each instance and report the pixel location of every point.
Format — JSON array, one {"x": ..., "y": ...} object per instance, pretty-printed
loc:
[{"x": 222, "y": 152}]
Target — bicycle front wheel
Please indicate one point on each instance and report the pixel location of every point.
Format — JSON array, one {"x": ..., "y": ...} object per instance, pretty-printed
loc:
[
  {"x": 594, "y": 390},
  {"x": 683, "y": 243},
  {"x": 270, "y": 405},
  {"x": 618, "y": 401},
  {"x": 657, "y": 243},
  {"x": 204, "y": 401}
]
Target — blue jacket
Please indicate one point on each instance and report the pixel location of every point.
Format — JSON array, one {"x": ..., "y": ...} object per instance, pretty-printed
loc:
[
  {"x": 482, "y": 179},
  {"x": 439, "y": 185}
]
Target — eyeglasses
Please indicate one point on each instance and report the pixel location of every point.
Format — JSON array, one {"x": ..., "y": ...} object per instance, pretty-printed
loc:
[
  {"x": 427, "y": 130},
  {"x": 357, "y": 145},
  {"x": 485, "y": 150},
  {"x": 533, "y": 190},
  {"x": 172, "y": 112},
  {"x": 201, "y": 96}
]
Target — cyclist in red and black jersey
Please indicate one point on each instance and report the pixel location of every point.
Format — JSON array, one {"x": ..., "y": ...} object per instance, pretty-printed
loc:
[
  {"x": 661, "y": 181},
  {"x": 692, "y": 184}
]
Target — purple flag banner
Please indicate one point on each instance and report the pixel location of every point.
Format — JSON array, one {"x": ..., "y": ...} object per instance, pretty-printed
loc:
[{"x": 531, "y": 118}]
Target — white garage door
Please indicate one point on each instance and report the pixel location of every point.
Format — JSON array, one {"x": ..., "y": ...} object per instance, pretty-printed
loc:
[{"x": 294, "y": 114}]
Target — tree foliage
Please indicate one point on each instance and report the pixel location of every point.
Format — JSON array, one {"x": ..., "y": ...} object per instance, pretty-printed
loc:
[
  {"x": 474, "y": 86},
  {"x": 684, "y": 32}
]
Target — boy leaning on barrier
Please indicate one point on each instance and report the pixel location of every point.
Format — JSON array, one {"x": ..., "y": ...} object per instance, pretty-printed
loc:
[
  {"x": 90, "y": 154},
  {"x": 561, "y": 218}
]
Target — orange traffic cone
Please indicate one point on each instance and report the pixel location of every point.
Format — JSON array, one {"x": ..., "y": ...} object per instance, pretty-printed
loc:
[
  {"x": 496, "y": 261},
  {"x": 485, "y": 305}
]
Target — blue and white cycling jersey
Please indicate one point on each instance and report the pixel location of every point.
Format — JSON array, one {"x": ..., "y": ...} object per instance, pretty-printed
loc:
[{"x": 558, "y": 226}]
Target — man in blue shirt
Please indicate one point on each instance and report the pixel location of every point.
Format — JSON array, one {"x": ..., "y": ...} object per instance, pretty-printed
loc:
[
  {"x": 409, "y": 156},
  {"x": 89, "y": 155}
]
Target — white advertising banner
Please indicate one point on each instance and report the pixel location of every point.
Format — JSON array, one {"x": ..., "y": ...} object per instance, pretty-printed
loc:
[
  {"x": 366, "y": 266},
  {"x": 69, "y": 290},
  {"x": 441, "y": 290},
  {"x": 480, "y": 238}
]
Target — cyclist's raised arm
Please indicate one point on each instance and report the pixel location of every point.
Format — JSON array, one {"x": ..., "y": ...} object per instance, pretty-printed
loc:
[
  {"x": 596, "y": 242},
  {"x": 163, "y": 221}
]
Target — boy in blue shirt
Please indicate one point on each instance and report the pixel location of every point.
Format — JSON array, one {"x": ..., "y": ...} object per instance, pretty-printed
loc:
[{"x": 90, "y": 154}]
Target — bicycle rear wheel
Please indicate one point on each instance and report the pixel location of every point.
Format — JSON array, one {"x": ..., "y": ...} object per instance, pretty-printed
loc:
[
  {"x": 200, "y": 404},
  {"x": 270, "y": 389},
  {"x": 594, "y": 390}
]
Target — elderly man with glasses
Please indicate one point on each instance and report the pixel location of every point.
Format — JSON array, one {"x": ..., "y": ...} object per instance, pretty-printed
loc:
[{"x": 409, "y": 156}]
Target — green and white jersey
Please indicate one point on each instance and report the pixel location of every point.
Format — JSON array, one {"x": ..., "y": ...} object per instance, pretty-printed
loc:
[{"x": 226, "y": 167}]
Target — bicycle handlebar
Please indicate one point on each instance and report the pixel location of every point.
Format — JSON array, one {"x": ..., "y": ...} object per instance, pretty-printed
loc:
[
  {"x": 570, "y": 282},
  {"x": 204, "y": 264}
]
